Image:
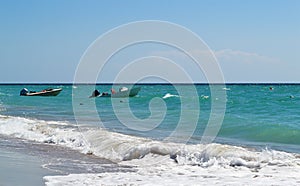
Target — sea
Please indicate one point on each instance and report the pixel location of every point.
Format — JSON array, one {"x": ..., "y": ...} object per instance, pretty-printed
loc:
[{"x": 169, "y": 134}]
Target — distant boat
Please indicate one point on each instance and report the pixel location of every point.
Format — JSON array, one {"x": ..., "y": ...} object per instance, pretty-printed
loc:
[
  {"x": 123, "y": 93},
  {"x": 45, "y": 92}
]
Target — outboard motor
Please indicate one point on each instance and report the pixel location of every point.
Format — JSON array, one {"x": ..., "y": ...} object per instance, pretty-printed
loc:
[
  {"x": 95, "y": 93},
  {"x": 24, "y": 92}
]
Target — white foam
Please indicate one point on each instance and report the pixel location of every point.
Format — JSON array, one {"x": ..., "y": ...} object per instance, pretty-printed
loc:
[
  {"x": 168, "y": 95},
  {"x": 42, "y": 131},
  {"x": 167, "y": 172},
  {"x": 119, "y": 147},
  {"x": 226, "y": 88},
  {"x": 204, "y": 97},
  {"x": 157, "y": 162}
]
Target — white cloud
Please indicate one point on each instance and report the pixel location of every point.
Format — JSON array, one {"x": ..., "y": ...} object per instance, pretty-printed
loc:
[
  {"x": 224, "y": 55},
  {"x": 230, "y": 55},
  {"x": 241, "y": 66},
  {"x": 238, "y": 66}
]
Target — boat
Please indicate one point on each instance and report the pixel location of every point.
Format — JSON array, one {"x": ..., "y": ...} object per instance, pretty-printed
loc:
[
  {"x": 122, "y": 93},
  {"x": 45, "y": 92}
]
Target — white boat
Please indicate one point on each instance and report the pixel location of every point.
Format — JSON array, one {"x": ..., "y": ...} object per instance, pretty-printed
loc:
[
  {"x": 122, "y": 93},
  {"x": 45, "y": 92}
]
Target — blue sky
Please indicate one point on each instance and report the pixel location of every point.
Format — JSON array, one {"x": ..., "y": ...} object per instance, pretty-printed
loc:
[{"x": 254, "y": 41}]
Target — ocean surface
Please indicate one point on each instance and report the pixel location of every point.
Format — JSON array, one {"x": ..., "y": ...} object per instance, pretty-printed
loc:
[{"x": 74, "y": 139}]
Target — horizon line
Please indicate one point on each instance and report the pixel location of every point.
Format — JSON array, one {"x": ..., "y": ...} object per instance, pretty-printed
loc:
[{"x": 150, "y": 83}]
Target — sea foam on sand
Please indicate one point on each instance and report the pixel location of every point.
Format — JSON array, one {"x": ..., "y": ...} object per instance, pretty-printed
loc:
[
  {"x": 167, "y": 172},
  {"x": 216, "y": 164}
]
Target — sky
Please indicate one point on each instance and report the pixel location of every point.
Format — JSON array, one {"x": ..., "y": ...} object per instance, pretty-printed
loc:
[{"x": 253, "y": 41}]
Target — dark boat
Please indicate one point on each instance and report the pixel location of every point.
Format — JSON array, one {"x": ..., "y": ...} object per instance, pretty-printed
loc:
[{"x": 45, "y": 92}]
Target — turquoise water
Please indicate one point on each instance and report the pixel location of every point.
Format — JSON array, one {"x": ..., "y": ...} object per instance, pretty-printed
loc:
[{"x": 255, "y": 115}]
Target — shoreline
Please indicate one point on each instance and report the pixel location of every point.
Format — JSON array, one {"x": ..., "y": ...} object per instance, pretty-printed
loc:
[
  {"x": 224, "y": 165},
  {"x": 26, "y": 162}
]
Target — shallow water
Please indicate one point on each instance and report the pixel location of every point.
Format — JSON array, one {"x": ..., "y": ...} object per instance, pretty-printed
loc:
[
  {"x": 27, "y": 162},
  {"x": 18, "y": 168}
]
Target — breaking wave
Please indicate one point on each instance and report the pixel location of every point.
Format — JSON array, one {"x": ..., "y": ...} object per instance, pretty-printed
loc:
[
  {"x": 119, "y": 147},
  {"x": 168, "y": 95}
]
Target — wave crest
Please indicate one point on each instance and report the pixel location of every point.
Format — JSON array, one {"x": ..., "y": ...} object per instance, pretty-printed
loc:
[
  {"x": 119, "y": 147},
  {"x": 168, "y": 95}
]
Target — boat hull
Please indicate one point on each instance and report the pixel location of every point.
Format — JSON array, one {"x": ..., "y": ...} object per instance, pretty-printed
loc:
[
  {"x": 123, "y": 94},
  {"x": 52, "y": 92}
]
